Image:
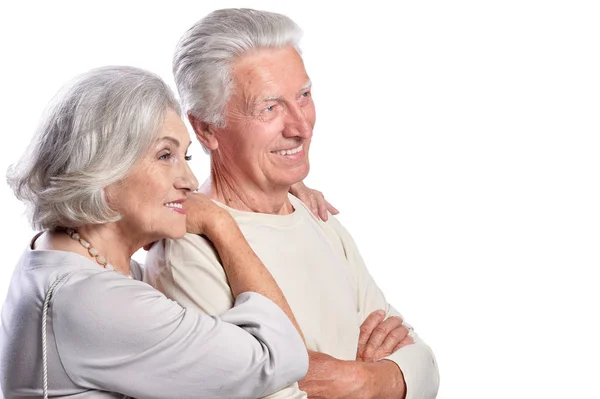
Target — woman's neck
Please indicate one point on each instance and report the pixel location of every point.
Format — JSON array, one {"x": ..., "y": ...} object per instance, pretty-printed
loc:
[
  {"x": 112, "y": 243},
  {"x": 108, "y": 239}
]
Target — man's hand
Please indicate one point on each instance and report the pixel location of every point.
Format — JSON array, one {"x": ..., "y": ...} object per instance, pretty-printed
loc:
[
  {"x": 380, "y": 337},
  {"x": 314, "y": 200},
  {"x": 332, "y": 378}
]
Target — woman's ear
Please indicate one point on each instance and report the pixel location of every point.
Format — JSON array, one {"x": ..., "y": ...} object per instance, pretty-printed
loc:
[{"x": 204, "y": 132}]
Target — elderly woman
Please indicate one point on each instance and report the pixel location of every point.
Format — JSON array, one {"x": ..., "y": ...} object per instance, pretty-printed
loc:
[{"x": 105, "y": 175}]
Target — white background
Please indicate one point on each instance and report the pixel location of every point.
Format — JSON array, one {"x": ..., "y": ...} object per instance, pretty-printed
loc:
[{"x": 460, "y": 140}]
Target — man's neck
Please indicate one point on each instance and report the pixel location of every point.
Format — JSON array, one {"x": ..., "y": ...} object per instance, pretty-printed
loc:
[{"x": 243, "y": 195}]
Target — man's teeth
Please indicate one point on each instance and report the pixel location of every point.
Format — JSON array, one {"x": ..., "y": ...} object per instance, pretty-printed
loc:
[
  {"x": 174, "y": 205},
  {"x": 289, "y": 152}
]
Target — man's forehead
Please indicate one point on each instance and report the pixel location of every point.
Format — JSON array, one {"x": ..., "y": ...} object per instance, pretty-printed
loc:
[
  {"x": 254, "y": 88},
  {"x": 270, "y": 69},
  {"x": 266, "y": 89}
]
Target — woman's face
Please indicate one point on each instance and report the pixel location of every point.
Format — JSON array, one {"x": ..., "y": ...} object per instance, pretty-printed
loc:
[{"x": 150, "y": 198}]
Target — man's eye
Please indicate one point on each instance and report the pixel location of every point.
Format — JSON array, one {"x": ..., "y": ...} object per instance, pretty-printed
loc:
[
  {"x": 270, "y": 109},
  {"x": 306, "y": 94}
]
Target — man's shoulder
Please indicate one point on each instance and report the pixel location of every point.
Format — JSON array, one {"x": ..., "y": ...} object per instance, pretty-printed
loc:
[
  {"x": 190, "y": 247},
  {"x": 332, "y": 229},
  {"x": 171, "y": 260},
  {"x": 333, "y": 224},
  {"x": 188, "y": 240}
]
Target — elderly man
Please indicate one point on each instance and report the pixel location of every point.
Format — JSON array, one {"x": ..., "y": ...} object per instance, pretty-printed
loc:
[{"x": 248, "y": 97}]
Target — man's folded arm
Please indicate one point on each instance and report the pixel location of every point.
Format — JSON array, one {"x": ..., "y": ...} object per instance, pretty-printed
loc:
[{"x": 416, "y": 361}]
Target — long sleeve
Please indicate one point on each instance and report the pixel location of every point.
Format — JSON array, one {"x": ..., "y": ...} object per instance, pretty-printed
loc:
[
  {"x": 188, "y": 270},
  {"x": 416, "y": 361},
  {"x": 120, "y": 335}
]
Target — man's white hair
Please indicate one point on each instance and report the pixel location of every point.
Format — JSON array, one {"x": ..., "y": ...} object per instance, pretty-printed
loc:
[{"x": 205, "y": 54}]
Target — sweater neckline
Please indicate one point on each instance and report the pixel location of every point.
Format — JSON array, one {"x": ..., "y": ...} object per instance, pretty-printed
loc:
[{"x": 268, "y": 219}]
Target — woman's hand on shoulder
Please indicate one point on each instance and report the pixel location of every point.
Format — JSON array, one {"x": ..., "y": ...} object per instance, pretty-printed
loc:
[
  {"x": 203, "y": 216},
  {"x": 314, "y": 199}
]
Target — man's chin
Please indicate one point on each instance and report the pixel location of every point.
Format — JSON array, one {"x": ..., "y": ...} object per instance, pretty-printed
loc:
[
  {"x": 301, "y": 175},
  {"x": 291, "y": 177}
]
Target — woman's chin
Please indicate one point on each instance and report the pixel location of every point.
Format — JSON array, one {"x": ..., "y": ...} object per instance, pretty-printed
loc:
[
  {"x": 174, "y": 235},
  {"x": 171, "y": 234}
]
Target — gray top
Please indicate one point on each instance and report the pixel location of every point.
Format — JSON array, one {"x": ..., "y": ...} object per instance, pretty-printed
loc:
[{"x": 110, "y": 336}]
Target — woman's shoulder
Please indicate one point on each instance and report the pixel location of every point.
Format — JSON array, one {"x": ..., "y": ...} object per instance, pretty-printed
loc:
[{"x": 73, "y": 275}]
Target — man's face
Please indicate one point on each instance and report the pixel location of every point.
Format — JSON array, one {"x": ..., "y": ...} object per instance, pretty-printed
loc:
[{"x": 269, "y": 119}]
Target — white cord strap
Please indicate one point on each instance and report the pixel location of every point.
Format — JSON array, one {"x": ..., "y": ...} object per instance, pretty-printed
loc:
[{"x": 44, "y": 322}]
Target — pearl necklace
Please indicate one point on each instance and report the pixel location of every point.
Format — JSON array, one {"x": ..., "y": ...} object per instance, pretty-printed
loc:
[{"x": 101, "y": 260}]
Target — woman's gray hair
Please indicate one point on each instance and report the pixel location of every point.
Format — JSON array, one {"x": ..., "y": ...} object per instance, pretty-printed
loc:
[
  {"x": 92, "y": 133},
  {"x": 206, "y": 52}
]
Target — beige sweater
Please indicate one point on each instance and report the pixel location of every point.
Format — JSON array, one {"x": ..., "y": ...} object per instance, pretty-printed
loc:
[{"x": 319, "y": 269}]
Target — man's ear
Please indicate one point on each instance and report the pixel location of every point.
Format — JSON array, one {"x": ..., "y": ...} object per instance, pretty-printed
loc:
[{"x": 204, "y": 132}]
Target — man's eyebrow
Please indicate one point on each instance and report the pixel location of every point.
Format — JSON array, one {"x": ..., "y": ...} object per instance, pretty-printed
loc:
[
  {"x": 307, "y": 85},
  {"x": 267, "y": 99}
]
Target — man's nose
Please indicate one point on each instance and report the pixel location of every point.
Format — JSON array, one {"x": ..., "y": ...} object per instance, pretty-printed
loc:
[{"x": 297, "y": 124}]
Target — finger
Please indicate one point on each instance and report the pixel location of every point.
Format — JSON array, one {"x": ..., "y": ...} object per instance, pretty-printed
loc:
[
  {"x": 405, "y": 342},
  {"x": 314, "y": 206},
  {"x": 393, "y": 339},
  {"x": 323, "y": 212},
  {"x": 331, "y": 208},
  {"x": 366, "y": 328},
  {"x": 370, "y": 323},
  {"x": 322, "y": 205},
  {"x": 379, "y": 334}
]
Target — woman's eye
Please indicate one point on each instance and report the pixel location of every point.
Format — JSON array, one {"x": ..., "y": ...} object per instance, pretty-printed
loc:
[
  {"x": 188, "y": 158},
  {"x": 165, "y": 156}
]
